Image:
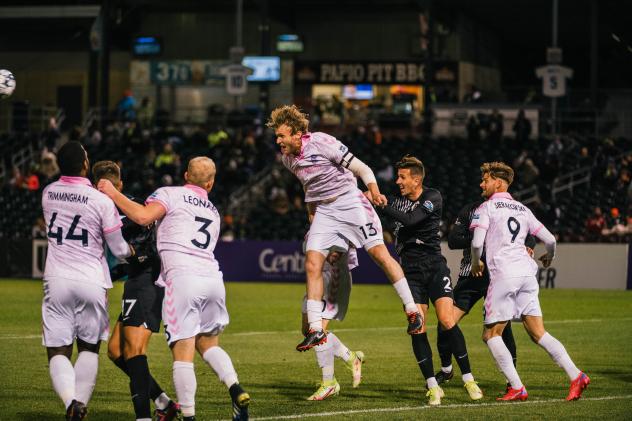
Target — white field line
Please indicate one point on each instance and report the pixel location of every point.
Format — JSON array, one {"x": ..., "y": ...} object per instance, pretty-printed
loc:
[
  {"x": 442, "y": 407},
  {"x": 359, "y": 329}
]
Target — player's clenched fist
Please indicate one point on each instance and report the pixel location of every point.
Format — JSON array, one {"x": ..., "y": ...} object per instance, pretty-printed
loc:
[{"x": 106, "y": 187}]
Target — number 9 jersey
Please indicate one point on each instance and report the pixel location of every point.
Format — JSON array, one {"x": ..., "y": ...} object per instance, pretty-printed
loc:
[
  {"x": 188, "y": 233},
  {"x": 507, "y": 222}
]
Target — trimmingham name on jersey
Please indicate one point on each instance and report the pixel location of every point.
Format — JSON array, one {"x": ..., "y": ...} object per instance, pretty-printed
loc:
[
  {"x": 68, "y": 197},
  {"x": 197, "y": 201},
  {"x": 512, "y": 206}
]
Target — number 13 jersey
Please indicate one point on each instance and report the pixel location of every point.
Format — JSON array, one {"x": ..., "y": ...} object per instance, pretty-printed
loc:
[
  {"x": 507, "y": 222},
  {"x": 78, "y": 216},
  {"x": 188, "y": 233}
]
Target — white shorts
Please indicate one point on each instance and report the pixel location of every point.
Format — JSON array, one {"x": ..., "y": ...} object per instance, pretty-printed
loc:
[
  {"x": 193, "y": 304},
  {"x": 512, "y": 298},
  {"x": 73, "y": 309},
  {"x": 337, "y": 289},
  {"x": 348, "y": 219}
]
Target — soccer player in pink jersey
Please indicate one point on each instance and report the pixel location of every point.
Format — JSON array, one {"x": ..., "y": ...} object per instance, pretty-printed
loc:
[
  {"x": 194, "y": 306},
  {"x": 337, "y": 291},
  {"x": 80, "y": 221},
  {"x": 501, "y": 225},
  {"x": 339, "y": 212}
]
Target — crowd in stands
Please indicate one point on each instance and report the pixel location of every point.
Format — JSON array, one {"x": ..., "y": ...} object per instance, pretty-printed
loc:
[{"x": 152, "y": 155}]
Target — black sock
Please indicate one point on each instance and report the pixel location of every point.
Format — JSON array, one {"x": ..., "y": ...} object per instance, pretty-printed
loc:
[
  {"x": 120, "y": 363},
  {"x": 443, "y": 346},
  {"x": 423, "y": 353},
  {"x": 510, "y": 343},
  {"x": 139, "y": 385},
  {"x": 457, "y": 343}
]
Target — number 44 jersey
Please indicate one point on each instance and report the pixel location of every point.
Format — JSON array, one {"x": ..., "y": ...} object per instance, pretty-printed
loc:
[
  {"x": 78, "y": 216},
  {"x": 507, "y": 222},
  {"x": 188, "y": 233}
]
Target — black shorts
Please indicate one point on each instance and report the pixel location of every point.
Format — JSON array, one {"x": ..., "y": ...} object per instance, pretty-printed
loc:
[
  {"x": 142, "y": 302},
  {"x": 470, "y": 289},
  {"x": 428, "y": 279}
]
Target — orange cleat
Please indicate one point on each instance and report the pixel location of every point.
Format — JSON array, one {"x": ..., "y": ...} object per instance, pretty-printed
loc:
[
  {"x": 514, "y": 395},
  {"x": 577, "y": 387}
]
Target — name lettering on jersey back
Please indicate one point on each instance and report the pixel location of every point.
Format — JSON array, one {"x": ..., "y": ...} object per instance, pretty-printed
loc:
[
  {"x": 68, "y": 197},
  {"x": 197, "y": 201},
  {"x": 512, "y": 206}
]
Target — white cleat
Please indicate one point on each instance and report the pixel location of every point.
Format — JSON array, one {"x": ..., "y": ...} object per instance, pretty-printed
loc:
[
  {"x": 355, "y": 365},
  {"x": 326, "y": 390}
]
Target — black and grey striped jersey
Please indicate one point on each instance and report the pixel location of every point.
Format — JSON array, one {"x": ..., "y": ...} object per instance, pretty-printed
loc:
[{"x": 416, "y": 223}]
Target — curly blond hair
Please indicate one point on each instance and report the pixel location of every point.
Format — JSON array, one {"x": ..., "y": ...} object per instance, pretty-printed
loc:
[
  {"x": 498, "y": 170},
  {"x": 291, "y": 116}
]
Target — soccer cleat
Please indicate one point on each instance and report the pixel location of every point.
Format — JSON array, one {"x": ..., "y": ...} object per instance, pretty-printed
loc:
[
  {"x": 355, "y": 365},
  {"x": 515, "y": 395},
  {"x": 577, "y": 387},
  {"x": 76, "y": 411},
  {"x": 415, "y": 322},
  {"x": 434, "y": 395},
  {"x": 241, "y": 400},
  {"x": 313, "y": 338},
  {"x": 443, "y": 377},
  {"x": 326, "y": 390},
  {"x": 171, "y": 412},
  {"x": 473, "y": 390}
]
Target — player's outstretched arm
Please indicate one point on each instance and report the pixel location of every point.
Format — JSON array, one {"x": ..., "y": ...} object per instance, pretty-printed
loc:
[
  {"x": 141, "y": 214},
  {"x": 549, "y": 243},
  {"x": 478, "y": 241},
  {"x": 364, "y": 173}
]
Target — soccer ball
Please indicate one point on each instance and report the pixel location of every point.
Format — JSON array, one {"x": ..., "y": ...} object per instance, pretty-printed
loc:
[{"x": 7, "y": 83}]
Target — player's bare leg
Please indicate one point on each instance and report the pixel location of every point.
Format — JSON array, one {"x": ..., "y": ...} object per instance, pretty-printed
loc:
[
  {"x": 492, "y": 336},
  {"x": 534, "y": 325},
  {"x": 444, "y": 307},
  {"x": 207, "y": 345},
  {"x": 380, "y": 255},
  {"x": 314, "y": 262}
]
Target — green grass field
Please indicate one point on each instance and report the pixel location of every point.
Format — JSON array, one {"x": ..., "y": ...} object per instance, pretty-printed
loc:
[{"x": 595, "y": 327}]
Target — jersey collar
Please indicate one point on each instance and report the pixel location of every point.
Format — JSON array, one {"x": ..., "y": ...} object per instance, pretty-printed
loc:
[
  {"x": 75, "y": 180},
  {"x": 198, "y": 190},
  {"x": 304, "y": 140},
  {"x": 501, "y": 195}
]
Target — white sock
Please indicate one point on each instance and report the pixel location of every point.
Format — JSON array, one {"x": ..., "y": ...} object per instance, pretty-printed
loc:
[
  {"x": 62, "y": 375},
  {"x": 340, "y": 350},
  {"x": 403, "y": 290},
  {"x": 558, "y": 353},
  {"x": 503, "y": 359},
  {"x": 431, "y": 382},
  {"x": 221, "y": 363},
  {"x": 143, "y": 419},
  {"x": 314, "y": 314},
  {"x": 185, "y": 383},
  {"x": 86, "y": 368},
  {"x": 447, "y": 369},
  {"x": 162, "y": 401},
  {"x": 467, "y": 377},
  {"x": 325, "y": 358}
]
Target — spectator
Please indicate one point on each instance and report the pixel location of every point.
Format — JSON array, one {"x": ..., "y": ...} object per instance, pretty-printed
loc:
[
  {"x": 167, "y": 162},
  {"x": 522, "y": 127},
  {"x": 32, "y": 182},
  {"x": 496, "y": 126},
  {"x": 146, "y": 113},
  {"x": 52, "y": 135},
  {"x": 17, "y": 179},
  {"x": 595, "y": 224},
  {"x": 614, "y": 224},
  {"x": 49, "y": 170},
  {"x": 126, "y": 107}
]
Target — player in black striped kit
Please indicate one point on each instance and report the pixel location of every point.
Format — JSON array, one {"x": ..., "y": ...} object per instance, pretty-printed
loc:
[
  {"x": 469, "y": 288},
  {"x": 416, "y": 215}
]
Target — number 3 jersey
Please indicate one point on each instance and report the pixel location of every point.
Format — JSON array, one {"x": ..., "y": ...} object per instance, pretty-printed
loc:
[
  {"x": 508, "y": 222},
  {"x": 78, "y": 216},
  {"x": 187, "y": 234}
]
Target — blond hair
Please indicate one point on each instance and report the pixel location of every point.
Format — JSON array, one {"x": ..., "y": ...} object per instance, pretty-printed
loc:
[
  {"x": 413, "y": 164},
  {"x": 108, "y": 170},
  {"x": 200, "y": 170},
  {"x": 291, "y": 116},
  {"x": 498, "y": 170}
]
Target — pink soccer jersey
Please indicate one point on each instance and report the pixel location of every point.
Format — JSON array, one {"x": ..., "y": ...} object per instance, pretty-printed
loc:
[
  {"x": 190, "y": 229},
  {"x": 507, "y": 222},
  {"x": 319, "y": 168},
  {"x": 78, "y": 216}
]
